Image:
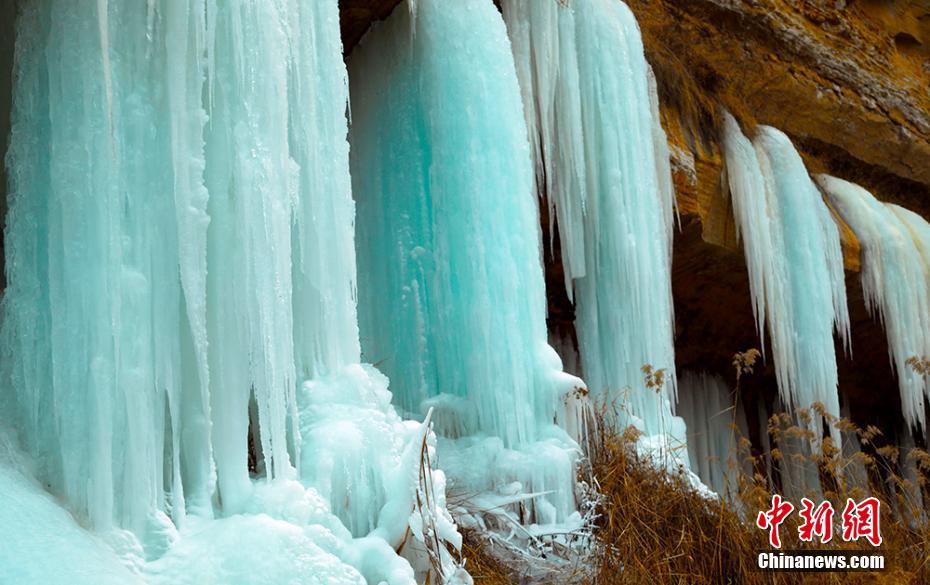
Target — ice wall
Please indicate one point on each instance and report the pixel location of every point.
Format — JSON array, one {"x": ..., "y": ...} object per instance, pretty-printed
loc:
[
  {"x": 795, "y": 264},
  {"x": 452, "y": 299},
  {"x": 180, "y": 256},
  {"x": 894, "y": 284},
  {"x": 129, "y": 365},
  {"x": 602, "y": 166}
]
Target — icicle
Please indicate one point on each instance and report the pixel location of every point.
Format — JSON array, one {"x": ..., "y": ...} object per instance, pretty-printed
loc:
[
  {"x": 103, "y": 29},
  {"x": 92, "y": 343},
  {"x": 184, "y": 70},
  {"x": 919, "y": 230},
  {"x": 172, "y": 278},
  {"x": 601, "y": 161},
  {"x": 453, "y": 300},
  {"x": 324, "y": 274},
  {"x": 253, "y": 182},
  {"x": 663, "y": 161},
  {"x": 753, "y": 220},
  {"x": 451, "y": 316},
  {"x": 795, "y": 265},
  {"x": 554, "y": 122},
  {"x": 894, "y": 285},
  {"x": 139, "y": 327}
]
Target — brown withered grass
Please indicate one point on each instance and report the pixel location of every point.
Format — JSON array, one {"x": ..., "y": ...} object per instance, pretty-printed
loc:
[
  {"x": 655, "y": 528},
  {"x": 484, "y": 568}
]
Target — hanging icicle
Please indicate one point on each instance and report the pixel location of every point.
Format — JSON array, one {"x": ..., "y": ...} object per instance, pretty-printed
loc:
[
  {"x": 894, "y": 285},
  {"x": 795, "y": 264},
  {"x": 180, "y": 255},
  {"x": 452, "y": 292},
  {"x": 602, "y": 167}
]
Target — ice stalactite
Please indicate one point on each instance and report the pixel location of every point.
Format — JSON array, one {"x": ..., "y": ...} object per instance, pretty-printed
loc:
[
  {"x": 795, "y": 262},
  {"x": 602, "y": 166},
  {"x": 180, "y": 257},
  {"x": 452, "y": 302},
  {"x": 716, "y": 422},
  {"x": 919, "y": 229},
  {"x": 895, "y": 277},
  {"x": 894, "y": 285}
]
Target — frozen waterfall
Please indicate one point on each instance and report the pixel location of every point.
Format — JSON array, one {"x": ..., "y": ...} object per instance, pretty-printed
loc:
[
  {"x": 452, "y": 299},
  {"x": 795, "y": 263},
  {"x": 601, "y": 161},
  {"x": 180, "y": 253},
  {"x": 275, "y": 314},
  {"x": 894, "y": 283}
]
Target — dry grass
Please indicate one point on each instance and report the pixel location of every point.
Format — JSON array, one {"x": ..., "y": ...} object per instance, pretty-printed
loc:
[
  {"x": 655, "y": 528},
  {"x": 485, "y": 568}
]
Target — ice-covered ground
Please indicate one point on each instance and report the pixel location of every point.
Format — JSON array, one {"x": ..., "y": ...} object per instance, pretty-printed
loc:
[{"x": 41, "y": 540}]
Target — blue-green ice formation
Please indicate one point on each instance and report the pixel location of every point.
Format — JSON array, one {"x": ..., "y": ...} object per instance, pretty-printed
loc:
[
  {"x": 182, "y": 285},
  {"x": 272, "y": 319}
]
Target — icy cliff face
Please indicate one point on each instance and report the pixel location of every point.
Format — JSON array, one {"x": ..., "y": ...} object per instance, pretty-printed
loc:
[
  {"x": 180, "y": 251},
  {"x": 180, "y": 345}
]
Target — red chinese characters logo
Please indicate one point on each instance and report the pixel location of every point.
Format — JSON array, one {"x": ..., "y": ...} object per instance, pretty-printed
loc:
[
  {"x": 817, "y": 522},
  {"x": 773, "y": 518},
  {"x": 862, "y": 520}
]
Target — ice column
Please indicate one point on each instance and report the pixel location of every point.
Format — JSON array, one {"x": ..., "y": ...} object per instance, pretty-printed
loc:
[
  {"x": 93, "y": 325},
  {"x": 452, "y": 301},
  {"x": 894, "y": 284},
  {"x": 281, "y": 256},
  {"x": 602, "y": 166},
  {"x": 179, "y": 242},
  {"x": 795, "y": 264}
]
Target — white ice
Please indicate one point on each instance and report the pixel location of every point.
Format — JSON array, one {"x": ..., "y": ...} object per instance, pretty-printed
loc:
[
  {"x": 180, "y": 256},
  {"x": 894, "y": 285},
  {"x": 795, "y": 263},
  {"x": 602, "y": 166}
]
